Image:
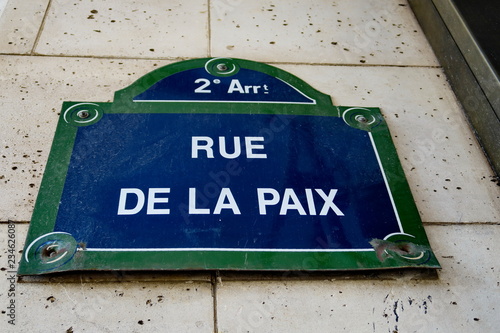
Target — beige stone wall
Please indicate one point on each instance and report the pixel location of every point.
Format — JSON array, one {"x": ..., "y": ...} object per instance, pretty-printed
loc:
[{"x": 366, "y": 53}]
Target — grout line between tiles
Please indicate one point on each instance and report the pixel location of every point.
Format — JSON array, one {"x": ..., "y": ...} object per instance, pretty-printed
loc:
[
  {"x": 209, "y": 30},
  {"x": 349, "y": 65},
  {"x": 17, "y": 222},
  {"x": 42, "y": 25},
  {"x": 189, "y": 58},
  {"x": 215, "y": 277},
  {"x": 458, "y": 223}
]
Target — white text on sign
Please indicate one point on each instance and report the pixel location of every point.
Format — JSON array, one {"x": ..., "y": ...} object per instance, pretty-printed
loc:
[
  {"x": 266, "y": 197},
  {"x": 234, "y": 87},
  {"x": 205, "y": 143}
]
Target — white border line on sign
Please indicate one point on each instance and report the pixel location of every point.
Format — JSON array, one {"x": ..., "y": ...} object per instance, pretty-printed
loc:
[
  {"x": 274, "y": 250},
  {"x": 224, "y": 249},
  {"x": 386, "y": 182},
  {"x": 181, "y": 100}
]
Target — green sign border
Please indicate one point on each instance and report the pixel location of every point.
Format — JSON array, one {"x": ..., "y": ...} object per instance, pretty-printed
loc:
[{"x": 48, "y": 252}]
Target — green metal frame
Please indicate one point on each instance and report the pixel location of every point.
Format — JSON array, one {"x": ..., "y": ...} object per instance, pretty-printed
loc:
[{"x": 45, "y": 250}]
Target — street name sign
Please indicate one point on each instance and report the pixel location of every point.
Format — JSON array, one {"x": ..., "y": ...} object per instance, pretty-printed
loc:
[{"x": 223, "y": 164}]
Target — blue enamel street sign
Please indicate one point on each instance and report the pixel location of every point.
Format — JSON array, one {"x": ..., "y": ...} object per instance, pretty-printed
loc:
[{"x": 223, "y": 164}]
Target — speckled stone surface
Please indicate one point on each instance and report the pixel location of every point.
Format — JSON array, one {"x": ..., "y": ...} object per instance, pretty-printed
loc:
[
  {"x": 166, "y": 29},
  {"x": 20, "y": 23},
  {"x": 338, "y": 32},
  {"x": 363, "y": 53}
]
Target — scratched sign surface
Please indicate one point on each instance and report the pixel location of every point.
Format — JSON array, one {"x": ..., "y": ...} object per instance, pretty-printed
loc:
[{"x": 223, "y": 164}]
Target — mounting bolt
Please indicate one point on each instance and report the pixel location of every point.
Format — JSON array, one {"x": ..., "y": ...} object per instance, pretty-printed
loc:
[
  {"x": 83, "y": 114},
  {"x": 50, "y": 251},
  {"x": 222, "y": 67},
  {"x": 361, "y": 119}
]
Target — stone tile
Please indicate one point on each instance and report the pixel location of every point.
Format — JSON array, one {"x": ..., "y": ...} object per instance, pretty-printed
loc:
[
  {"x": 463, "y": 299},
  {"x": 3, "y": 4},
  {"x": 125, "y": 307},
  {"x": 19, "y": 23},
  {"x": 130, "y": 307},
  {"x": 449, "y": 176},
  {"x": 340, "y": 32},
  {"x": 31, "y": 93},
  {"x": 158, "y": 29},
  {"x": 84, "y": 305}
]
